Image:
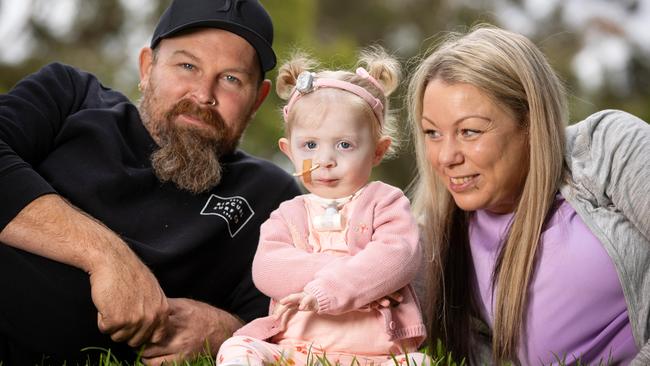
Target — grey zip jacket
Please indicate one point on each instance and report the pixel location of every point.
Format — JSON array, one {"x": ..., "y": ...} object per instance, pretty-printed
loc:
[{"x": 608, "y": 156}]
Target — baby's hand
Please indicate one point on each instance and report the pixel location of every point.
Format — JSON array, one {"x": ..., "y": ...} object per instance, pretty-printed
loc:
[
  {"x": 390, "y": 300},
  {"x": 393, "y": 299},
  {"x": 298, "y": 301},
  {"x": 301, "y": 300}
]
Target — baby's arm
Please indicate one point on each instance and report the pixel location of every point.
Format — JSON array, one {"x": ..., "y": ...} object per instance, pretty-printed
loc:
[
  {"x": 279, "y": 268},
  {"x": 305, "y": 302},
  {"x": 387, "y": 263}
]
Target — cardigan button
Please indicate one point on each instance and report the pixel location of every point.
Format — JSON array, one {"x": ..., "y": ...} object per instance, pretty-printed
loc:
[{"x": 391, "y": 325}]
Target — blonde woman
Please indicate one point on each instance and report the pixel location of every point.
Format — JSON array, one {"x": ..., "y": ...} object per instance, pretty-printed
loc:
[{"x": 538, "y": 234}]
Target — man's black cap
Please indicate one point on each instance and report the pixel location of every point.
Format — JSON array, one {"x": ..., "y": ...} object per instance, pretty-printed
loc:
[{"x": 246, "y": 18}]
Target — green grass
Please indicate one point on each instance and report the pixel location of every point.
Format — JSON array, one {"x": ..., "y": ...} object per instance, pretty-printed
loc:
[
  {"x": 106, "y": 358},
  {"x": 439, "y": 357}
]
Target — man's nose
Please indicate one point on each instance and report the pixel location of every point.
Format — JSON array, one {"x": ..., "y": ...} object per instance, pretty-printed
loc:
[{"x": 204, "y": 94}]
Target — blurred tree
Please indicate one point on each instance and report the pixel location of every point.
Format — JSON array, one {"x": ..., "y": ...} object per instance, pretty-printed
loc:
[{"x": 599, "y": 47}]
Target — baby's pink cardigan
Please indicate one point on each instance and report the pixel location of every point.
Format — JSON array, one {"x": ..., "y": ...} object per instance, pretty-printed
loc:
[{"x": 383, "y": 241}]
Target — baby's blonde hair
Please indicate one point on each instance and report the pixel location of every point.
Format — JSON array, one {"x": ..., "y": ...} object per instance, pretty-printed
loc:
[{"x": 379, "y": 64}]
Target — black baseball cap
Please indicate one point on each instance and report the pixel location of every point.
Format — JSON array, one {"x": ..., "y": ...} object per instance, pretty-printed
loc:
[{"x": 246, "y": 18}]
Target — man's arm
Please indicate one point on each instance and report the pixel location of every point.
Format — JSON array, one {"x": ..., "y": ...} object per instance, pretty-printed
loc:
[{"x": 130, "y": 303}]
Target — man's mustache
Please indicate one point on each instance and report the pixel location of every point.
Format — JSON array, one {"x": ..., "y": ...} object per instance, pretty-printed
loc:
[{"x": 188, "y": 107}]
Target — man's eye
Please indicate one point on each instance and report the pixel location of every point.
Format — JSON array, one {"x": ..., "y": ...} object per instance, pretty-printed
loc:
[
  {"x": 187, "y": 66},
  {"x": 232, "y": 79}
]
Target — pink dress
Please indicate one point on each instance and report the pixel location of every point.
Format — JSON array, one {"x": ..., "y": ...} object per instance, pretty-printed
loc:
[
  {"x": 375, "y": 252},
  {"x": 341, "y": 333}
]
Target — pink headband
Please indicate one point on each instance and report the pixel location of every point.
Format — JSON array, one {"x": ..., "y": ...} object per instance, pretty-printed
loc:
[{"x": 307, "y": 82}]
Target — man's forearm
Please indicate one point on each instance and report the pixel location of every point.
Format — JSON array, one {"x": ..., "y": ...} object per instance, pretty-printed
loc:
[
  {"x": 131, "y": 305},
  {"x": 52, "y": 228}
]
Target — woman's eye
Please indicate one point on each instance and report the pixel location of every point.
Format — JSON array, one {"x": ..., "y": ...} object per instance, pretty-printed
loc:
[
  {"x": 466, "y": 132},
  {"x": 433, "y": 134}
]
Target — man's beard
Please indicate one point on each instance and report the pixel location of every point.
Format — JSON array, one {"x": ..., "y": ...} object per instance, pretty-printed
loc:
[{"x": 189, "y": 156}]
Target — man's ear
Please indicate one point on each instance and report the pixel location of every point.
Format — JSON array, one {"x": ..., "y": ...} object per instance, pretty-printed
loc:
[
  {"x": 145, "y": 62},
  {"x": 262, "y": 93},
  {"x": 285, "y": 147},
  {"x": 380, "y": 150}
]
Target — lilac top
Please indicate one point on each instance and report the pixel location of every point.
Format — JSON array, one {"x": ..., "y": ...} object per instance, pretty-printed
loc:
[{"x": 576, "y": 307}]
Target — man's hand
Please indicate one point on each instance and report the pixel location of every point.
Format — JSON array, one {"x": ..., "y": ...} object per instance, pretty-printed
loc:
[
  {"x": 131, "y": 306},
  {"x": 193, "y": 328},
  {"x": 130, "y": 302}
]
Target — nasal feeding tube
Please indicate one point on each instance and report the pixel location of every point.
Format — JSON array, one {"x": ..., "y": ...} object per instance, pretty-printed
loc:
[
  {"x": 306, "y": 170},
  {"x": 331, "y": 220}
]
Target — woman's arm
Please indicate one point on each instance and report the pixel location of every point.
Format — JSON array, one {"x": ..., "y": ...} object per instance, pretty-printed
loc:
[
  {"x": 608, "y": 157},
  {"x": 612, "y": 149}
]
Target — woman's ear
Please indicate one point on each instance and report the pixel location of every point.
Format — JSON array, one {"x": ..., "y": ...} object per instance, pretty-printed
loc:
[{"x": 380, "y": 150}]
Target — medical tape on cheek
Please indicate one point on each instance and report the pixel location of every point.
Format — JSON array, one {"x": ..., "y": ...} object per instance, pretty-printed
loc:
[
  {"x": 307, "y": 168},
  {"x": 306, "y": 171}
]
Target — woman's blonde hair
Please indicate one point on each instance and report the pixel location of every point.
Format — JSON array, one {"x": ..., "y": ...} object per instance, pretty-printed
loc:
[
  {"x": 511, "y": 70},
  {"x": 381, "y": 66}
]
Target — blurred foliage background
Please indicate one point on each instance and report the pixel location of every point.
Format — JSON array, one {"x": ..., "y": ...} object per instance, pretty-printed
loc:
[{"x": 600, "y": 48}]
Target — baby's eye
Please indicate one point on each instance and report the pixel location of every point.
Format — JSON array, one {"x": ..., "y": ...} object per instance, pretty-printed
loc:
[
  {"x": 344, "y": 145},
  {"x": 310, "y": 145}
]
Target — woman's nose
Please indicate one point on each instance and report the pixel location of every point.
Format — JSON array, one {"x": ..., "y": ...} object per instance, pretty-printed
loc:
[{"x": 449, "y": 153}]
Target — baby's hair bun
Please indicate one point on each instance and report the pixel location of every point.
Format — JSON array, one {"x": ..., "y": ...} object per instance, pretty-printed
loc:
[
  {"x": 289, "y": 71},
  {"x": 383, "y": 67}
]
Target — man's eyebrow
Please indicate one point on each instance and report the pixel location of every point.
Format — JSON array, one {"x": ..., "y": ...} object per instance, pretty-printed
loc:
[
  {"x": 196, "y": 59},
  {"x": 185, "y": 53}
]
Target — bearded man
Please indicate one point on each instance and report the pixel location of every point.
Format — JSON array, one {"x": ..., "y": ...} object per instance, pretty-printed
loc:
[{"x": 133, "y": 227}]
